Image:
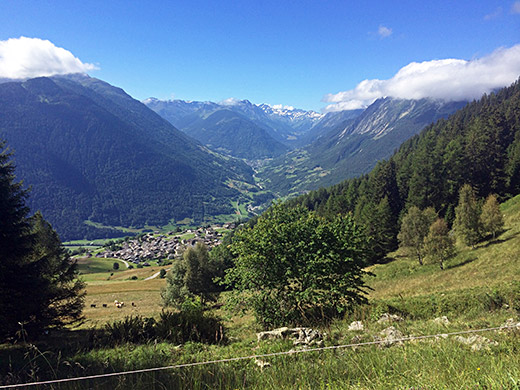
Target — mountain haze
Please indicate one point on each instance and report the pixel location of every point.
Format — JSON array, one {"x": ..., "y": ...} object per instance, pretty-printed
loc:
[{"x": 285, "y": 125}]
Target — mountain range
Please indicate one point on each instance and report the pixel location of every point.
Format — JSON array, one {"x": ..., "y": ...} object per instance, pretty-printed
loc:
[
  {"x": 93, "y": 156},
  {"x": 273, "y": 130},
  {"x": 97, "y": 159},
  {"x": 349, "y": 144}
]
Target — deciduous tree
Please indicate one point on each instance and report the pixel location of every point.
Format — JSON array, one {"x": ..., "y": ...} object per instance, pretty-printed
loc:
[
  {"x": 467, "y": 217},
  {"x": 414, "y": 228},
  {"x": 294, "y": 267},
  {"x": 491, "y": 217},
  {"x": 438, "y": 244}
]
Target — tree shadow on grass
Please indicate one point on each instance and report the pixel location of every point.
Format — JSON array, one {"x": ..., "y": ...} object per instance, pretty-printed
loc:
[
  {"x": 497, "y": 240},
  {"x": 463, "y": 262}
]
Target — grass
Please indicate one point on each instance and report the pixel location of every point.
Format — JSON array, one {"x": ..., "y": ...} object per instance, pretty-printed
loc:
[
  {"x": 105, "y": 285},
  {"x": 491, "y": 263},
  {"x": 479, "y": 288}
]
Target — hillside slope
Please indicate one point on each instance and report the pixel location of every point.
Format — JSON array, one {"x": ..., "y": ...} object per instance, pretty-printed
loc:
[
  {"x": 230, "y": 133},
  {"x": 353, "y": 147},
  {"x": 92, "y": 153},
  {"x": 491, "y": 264}
]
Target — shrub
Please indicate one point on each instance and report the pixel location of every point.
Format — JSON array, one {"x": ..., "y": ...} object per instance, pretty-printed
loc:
[
  {"x": 190, "y": 324},
  {"x": 115, "y": 266}
]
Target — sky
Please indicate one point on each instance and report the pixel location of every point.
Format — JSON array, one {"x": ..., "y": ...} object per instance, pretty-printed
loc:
[{"x": 322, "y": 55}]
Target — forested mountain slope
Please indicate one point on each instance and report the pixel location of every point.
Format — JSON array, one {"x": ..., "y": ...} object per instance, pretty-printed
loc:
[
  {"x": 354, "y": 146},
  {"x": 230, "y": 133},
  {"x": 478, "y": 145},
  {"x": 91, "y": 152}
]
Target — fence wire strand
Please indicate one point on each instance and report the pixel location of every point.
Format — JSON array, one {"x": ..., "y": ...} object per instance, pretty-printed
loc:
[{"x": 265, "y": 355}]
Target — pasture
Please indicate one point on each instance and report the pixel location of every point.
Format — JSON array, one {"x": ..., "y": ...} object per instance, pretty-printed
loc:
[{"x": 105, "y": 285}]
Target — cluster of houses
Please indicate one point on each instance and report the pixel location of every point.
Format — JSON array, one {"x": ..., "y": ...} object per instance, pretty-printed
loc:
[{"x": 160, "y": 247}]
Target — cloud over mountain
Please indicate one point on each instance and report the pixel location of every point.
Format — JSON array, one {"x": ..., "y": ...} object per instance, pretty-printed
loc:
[
  {"x": 33, "y": 57},
  {"x": 447, "y": 79}
]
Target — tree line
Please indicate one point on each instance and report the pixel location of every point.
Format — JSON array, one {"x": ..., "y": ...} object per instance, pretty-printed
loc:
[{"x": 479, "y": 145}]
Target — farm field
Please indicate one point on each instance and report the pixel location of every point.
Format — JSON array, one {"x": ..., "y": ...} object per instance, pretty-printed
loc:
[{"x": 105, "y": 285}]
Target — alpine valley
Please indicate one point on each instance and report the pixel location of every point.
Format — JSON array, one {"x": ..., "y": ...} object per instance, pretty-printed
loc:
[{"x": 100, "y": 163}]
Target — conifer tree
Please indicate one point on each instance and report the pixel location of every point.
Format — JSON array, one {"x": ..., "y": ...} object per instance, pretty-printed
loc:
[
  {"x": 38, "y": 284},
  {"x": 467, "y": 217},
  {"x": 438, "y": 244},
  {"x": 491, "y": 216},
  {"x": 414, "y": 228}
]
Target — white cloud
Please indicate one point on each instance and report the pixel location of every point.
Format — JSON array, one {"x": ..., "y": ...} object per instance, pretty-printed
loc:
[
  {"x": 33, "y": 57},
  {"x": 515, "y": 8},
  {"x": 384, "y": 32},
  {"x": 448, "y": 79}
]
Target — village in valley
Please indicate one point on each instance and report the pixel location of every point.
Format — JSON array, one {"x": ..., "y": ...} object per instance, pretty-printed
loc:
[{"x": 160, "y": 247}]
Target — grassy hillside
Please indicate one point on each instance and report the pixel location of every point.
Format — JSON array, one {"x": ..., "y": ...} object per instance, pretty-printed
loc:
[
  {"x": 478, "y": 289},
  {"x": 490, "y": 264}
]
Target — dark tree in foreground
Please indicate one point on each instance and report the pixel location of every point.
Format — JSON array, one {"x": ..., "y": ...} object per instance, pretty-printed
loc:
[
  {"x": 38, "y": 284},
  {"x": 294, "y": 267},
  {"x": 59, "y": 292}
]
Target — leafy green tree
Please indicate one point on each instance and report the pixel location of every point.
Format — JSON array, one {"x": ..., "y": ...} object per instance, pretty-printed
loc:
[
  {"x": 414, "y": 228},
  {"x": 438, "y": 244},
  {"x": 467, "y": 217},
  {"x": 115, "y": 266},
  {"x": 491, "y": 217},
  {"x": 294, "y": 267},
  {"x": 190, "y": 277}
]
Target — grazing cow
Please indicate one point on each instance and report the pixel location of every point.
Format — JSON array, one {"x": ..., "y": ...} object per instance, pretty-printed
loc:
[
  {"x": 93, "y": 305},
  {"x": 104, "y": 305},
  {"x": 133, "y": 304}
]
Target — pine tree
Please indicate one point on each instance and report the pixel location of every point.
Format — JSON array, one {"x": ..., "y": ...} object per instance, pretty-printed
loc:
[
  {"x": 59, "y": 293},
  {"x": 467, "y": 217},
  {"x": 414, "y": 228},
  {"x": 38, "y": 285},
  {"x": 438, "y": 244},
  {"x": 491, "y": 216},
  {"x": 15, "y": 244}
]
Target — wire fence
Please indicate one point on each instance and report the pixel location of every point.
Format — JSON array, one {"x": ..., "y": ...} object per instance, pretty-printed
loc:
[{"x": 234, "y": 359}]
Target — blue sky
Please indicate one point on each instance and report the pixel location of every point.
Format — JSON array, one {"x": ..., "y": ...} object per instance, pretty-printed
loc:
[{"x": 278, "y": 52}]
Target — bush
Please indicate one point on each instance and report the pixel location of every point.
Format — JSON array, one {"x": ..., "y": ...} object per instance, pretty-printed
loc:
[
  {"x": 115, "y": 266},
  {"x": 162, "y": 273},
  {"x": 190, "y": 324}
]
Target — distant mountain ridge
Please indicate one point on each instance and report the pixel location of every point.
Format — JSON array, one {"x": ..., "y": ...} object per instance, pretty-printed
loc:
[
  {"x": 92, "y": 153},
  {"x": 284, "y": 125},
  {"x": 353, "y": 146}
]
